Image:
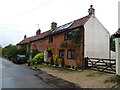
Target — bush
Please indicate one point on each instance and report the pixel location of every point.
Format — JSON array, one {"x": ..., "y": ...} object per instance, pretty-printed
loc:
[
  {"x": 56, "y": 64},
  {"x": 51, "y": 61},
  {"x": 47, "y": 63},
  {"x": 39, "y": 58},
  {"x": 67, "y": 66},
  {"x": 62, "y": 62},
  {"x": 77, "y": 67},
  {"x": 73, "y": 67}
]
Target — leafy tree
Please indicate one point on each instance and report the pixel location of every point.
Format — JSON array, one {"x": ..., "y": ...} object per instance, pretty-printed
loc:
[
  {"x": 9, "y": 51},
  {"x": 112, "y": 43}
]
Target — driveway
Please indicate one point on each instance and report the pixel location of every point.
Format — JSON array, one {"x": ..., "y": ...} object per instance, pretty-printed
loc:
[{"x": 21, "y": 76}]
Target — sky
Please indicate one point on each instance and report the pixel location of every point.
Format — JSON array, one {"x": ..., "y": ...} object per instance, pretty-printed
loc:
[{"x": 20, "y": 17}]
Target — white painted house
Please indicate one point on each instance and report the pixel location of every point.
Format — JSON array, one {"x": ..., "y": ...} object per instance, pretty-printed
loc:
[
  {"x": 96, "y": 38},
  {"x": 117, "y": 45}
]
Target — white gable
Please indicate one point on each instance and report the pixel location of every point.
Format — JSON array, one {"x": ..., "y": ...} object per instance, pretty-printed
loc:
[{"x": 97, "y": 39}]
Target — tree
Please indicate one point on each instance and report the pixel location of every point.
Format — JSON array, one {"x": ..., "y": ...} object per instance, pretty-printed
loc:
[
  {"x": 9, "y": 51},
  {"x": 112, "y": 43}
]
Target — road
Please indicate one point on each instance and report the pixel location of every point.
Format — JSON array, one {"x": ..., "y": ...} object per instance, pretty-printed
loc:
[{"x": 21, "y": 76}]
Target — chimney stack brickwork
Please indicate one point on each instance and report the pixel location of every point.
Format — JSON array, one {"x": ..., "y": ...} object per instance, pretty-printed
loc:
[{"x": 53, "y": 25}]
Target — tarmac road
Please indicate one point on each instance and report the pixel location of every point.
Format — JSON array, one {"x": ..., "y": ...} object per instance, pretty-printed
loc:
[{"x": 21, "y": 76}]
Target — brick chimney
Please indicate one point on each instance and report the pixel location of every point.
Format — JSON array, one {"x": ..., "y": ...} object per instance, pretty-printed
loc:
[
  {"x": 91, "y": 10},
  {"x": 25, "y": 36},
  {"x": 38, "y": 32},
  {"x": 53, "y": 25}
]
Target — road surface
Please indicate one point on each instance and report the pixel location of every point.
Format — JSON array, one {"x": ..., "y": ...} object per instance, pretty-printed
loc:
[{"x": 21, "y": 76}]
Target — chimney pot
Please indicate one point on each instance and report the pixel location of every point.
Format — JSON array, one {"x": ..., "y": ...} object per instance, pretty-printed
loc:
[
  {"x": 38, "y": 32},
  {"x": 25, "y": 36},
  {"x": 53, "y": 25},
  {"x": 91, "y": 10}
]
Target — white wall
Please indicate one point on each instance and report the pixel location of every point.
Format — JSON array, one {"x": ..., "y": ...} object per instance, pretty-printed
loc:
[
  {"x": 117, "y": 43},
  {"x": 113, "y": 55},
  {"x": 96, "y": 39}
]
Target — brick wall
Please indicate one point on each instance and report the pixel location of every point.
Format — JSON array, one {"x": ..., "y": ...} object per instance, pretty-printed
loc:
[{"x": 42, "y": 45}]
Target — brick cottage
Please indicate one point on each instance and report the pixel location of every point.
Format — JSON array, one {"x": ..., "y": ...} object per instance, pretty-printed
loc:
[{"x": 73, "y": 41}]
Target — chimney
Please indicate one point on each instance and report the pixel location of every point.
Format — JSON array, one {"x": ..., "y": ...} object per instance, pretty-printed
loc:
[
  {"x": 25, "y": 36},
  {"x": 91, "y": 10},
  {"x": 38, "y": 32},
  {"x": 53, "y": 25}
]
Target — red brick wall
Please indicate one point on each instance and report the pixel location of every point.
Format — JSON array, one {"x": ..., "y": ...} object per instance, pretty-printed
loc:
[{"x": 57, "y": 39}]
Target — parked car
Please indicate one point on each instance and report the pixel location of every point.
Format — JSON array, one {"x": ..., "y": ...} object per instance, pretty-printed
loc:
[{"x": 20, "y": 59}]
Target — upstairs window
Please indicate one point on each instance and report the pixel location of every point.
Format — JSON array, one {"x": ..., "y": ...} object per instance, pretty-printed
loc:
[
  {"x": 68, "y": 35},
  {"x": 50, "y": 39},
  {"x": 71, "y": 54},
  {"x": 40, "y": 42}
]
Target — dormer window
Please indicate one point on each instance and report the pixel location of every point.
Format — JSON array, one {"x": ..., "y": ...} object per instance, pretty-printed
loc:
[{"x": 50, "y": 39}]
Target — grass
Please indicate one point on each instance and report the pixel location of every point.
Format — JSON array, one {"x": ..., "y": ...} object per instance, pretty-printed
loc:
[
  {"x": 114, "y": 79},
  {"x": 40, "y": 65},
  {"x": 90, "y": 75},
  {"x": 100, "y": 73}
]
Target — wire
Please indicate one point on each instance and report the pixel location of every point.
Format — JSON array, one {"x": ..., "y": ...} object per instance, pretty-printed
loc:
[
  {"x": 15, "y": 25},
  {"x": 29, "y": 10}
]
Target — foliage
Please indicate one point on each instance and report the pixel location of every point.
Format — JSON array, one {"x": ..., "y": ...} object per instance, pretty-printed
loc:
[
  {"x": 9, "y": 51},
  {"x": 112, "y": 43},
  {"x": 56, "y": 64},
  {"x": 51, "y": 61},
  {"x": 76, "y": 35},
  {"x": 64, "y": 44},
  {"x": 50, "y": 49},
  {"x": 55, "y": 58},
  {"x": 62, "y": 62},
  {"x": 39, "y": 58},
  {"x": 47, "y": 63},
  {"x": 34, "y": 52},
  {"x": 115, "y": 79},
  {"x": 77, "y": 67},
  {"x": 73, "y": 67},
  {"x": 67, "y": 66}
]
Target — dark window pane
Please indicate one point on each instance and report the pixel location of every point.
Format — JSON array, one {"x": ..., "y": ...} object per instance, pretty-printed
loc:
[
  {"x": 71, "y": 54},
  {"x": 50, "y": 39},
  {"x": 61, "y": 53}
]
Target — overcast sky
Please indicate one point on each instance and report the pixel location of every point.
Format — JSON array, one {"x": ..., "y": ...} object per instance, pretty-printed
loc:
[{"x": 20, "y": 17}]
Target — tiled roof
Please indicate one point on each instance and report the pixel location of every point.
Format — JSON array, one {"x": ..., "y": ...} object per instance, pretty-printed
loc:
[
  {"x": 71, "y": 25},
  {"x": 118, "y": 31},
  {"x": 33, "y": 38}
]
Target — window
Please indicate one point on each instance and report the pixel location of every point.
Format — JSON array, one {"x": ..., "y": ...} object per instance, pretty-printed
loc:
[
  {"x": 50, "y": 39},
  {"x": 71, "y": 54},
  {"x": 61, "y": 53},
  {"x": 68, "y": 35},
  {"x": 40, "y": 43}
]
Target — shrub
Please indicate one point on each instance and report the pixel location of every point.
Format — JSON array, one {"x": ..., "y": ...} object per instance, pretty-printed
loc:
[
  {"x": 62, "y": 62},
  {"x": 55, "y": 58},
  {"x": 77, "y": 67},
  {"x": 39, "y": 58},
  {"x": 67, "y": 66},
  {"x": 56, "y": 64},
  {"x": 73, "y": 67},
  {"x": 51, "y": 61},
  {"x": 47, "y": 63}
]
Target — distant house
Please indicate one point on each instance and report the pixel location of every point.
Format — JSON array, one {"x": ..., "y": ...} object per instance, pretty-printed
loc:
[{"x": 73, "y": 41}]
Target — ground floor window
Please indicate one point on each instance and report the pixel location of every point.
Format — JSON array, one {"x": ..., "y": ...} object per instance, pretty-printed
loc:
[
  {"x": 71, "y": 54},
  {"x": 61, "y": 53}
]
